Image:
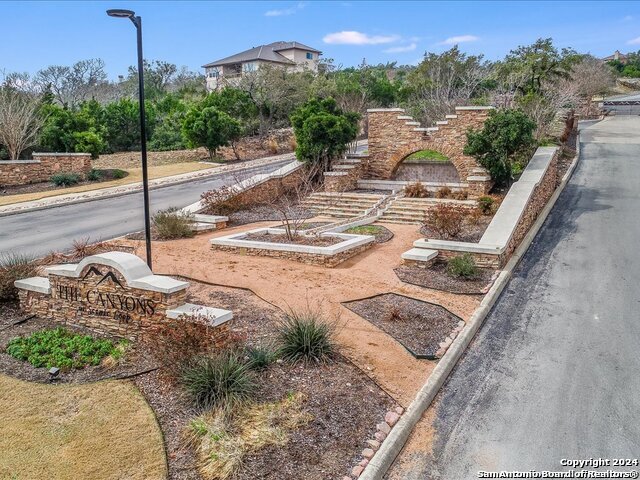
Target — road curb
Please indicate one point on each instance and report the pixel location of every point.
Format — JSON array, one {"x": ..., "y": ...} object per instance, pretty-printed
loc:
[
  {"x": 395, "y": 441},
  {"x": 15, "y": 209}
]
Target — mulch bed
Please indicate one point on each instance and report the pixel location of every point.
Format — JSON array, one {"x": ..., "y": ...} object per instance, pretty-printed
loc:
[
  {"x": 471, "y": 232},
  {"x": 261, "y": 213},
  {"x": 381, "y": 235},
  {"x": 315, "y": 241},
  {"x": 419, "y": 326},
  {"x": 107, "y": 175},
  {"x": 437, "y": 278},
  {"x": 135, "y": 360},
  {"x": 344, "y": 403}
]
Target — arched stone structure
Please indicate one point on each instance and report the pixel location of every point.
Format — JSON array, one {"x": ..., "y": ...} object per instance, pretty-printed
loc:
[{"x": 393, "y": 136}]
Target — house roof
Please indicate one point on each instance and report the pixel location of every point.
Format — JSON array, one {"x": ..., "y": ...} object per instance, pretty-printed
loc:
[{"x": 267, "y": 53}]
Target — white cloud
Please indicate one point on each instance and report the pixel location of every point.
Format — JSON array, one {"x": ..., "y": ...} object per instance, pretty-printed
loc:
[
  {"x": 459, "y": 39},
  {"x": 285, "y": 11},
  {"x": 402, "y": 48},
  {"x": 627, "y": 18},
  {"x": 634, "y": 41},
  {"x": 358, "y": 38}
]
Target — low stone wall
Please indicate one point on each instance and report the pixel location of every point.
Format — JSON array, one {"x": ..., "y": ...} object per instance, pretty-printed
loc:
[
  {"x": 42, "y": 167},
  {"x": 328, "y": 261},
  {"x": 114, "y": 293},
  {"x": 434, "y": 171}
]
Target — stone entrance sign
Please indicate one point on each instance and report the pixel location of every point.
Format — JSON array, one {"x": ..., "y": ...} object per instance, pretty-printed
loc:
[{"x": 113, "y": 293}]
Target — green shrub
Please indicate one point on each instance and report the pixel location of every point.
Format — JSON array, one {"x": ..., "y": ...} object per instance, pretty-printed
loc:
[
  {"x": 218, "y": 381},
  {"x": 259, "y": 357},
  {"x": 170, "y": 224},
  {"x": 485, "y": 204},
  {"x": 462, "y": 266},
  {"x": 506, "y": 136},
  {"x": 14, "y": 266},
  {"x": 117, "y": 174},
  {"x": 65, "y": 179},
  {"x": 305, "y": 336},
  {"x": 61, "y": 348},
  {"x": 94, "y": 175}
]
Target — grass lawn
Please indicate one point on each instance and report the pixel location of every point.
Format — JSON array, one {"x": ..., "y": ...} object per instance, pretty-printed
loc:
[
  {"x": 135, "y": 176},
  {"x": 365, "y": 230},
  {"x": 100, "y": 430},
  {"x": 426, "y": 156}
]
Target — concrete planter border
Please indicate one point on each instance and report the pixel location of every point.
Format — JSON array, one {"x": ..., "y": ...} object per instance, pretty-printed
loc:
[{"x": 349, "y": 242}]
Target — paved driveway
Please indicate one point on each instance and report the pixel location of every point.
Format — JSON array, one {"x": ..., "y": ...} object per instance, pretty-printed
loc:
[
  {"x": 555, "y": 371},
  {"x": 40, "y": 232}
]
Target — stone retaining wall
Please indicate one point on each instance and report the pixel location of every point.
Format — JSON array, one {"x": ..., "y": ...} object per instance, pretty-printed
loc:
[
  {"x": 42, "y": 167},
  {"x": 329, "y": 261}
]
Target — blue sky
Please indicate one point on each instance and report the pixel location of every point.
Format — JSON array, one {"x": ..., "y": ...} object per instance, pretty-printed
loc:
[{"x": 193, "y": 33}]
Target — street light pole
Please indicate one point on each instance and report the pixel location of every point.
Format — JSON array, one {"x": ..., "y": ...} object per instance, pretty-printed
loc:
[{"x": 137, "y": 21}]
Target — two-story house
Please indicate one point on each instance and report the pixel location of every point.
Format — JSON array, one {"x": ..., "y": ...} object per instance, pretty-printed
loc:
[{"x": 291, "y": 55}]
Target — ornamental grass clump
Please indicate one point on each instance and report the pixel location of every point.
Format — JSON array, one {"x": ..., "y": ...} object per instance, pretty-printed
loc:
[
  {"x": 61, "y": 348},
  {"x": 15, "y": 266},
  {"x": 462, "y": 266},
  {"x": 65, "y": 179},
  {"x": 305, "y": 336},
  {"x": 171, "y": 224},
  {"x": 259, "y": 357},
  {"x": 221, "y": 380}
]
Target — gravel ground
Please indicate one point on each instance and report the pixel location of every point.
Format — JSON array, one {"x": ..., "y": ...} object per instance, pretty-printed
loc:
[
  {"x": 298, "y": 240},
  {"x": 136, "y": 360},
  {"x": 437, "y": 278},
  {"x": 261, "y": 213},
  {"x": 344, "y": 403},
  {"x": 419, "y": 326}
]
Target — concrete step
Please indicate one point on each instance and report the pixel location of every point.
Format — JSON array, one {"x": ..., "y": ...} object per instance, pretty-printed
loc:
[
  {"x": 350, "y": 161},
  {"x": 420, "y": 255},
  {"x": 333, "y": 201},
  {"x": 403, "y": 221},
  {"x": 344, "y": 167},
  {"x": 349, "y": 196}
]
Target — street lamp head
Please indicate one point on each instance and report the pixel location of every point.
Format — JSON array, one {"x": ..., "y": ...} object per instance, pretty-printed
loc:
[{"x": 121, "y": 13}]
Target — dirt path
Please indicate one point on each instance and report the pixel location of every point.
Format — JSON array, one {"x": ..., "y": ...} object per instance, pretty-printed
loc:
[{"x": 291, "y": 285}]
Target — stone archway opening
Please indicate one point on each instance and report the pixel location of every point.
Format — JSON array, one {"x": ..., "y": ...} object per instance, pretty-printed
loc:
[{"x": 426, "y": 165}]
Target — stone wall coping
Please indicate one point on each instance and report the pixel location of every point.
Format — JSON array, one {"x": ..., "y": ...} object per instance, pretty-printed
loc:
[
  {"x": 451, "y": 245},
  {"x": 202, "y": 218},
  {"x": 18, "y": 162},
  {"x": 59, "y": 154},
  {"x": 474, "y": 107},
  {"x": 34, "y": 284},
  {"x": 399, "y": 184},
  {"x": 375, "y": 110},
  {"x": 513, "y": 206},
  {"x": 135, "y": 271},
  {"x": 212, "y": 316},
  {"x": 349, "y": 241},
  {"x": 420, "y": 254},
  {"x": 335, "y": 174}
]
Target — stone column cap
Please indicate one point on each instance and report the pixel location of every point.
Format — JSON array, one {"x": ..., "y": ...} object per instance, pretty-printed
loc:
[{"x": 134, "y": 270}]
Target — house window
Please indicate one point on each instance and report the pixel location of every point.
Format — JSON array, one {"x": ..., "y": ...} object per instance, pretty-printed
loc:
[{"x": 309, "y": 56}]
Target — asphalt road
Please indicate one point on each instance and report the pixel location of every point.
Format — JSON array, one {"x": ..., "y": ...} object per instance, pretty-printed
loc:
[
  {"x": 555, "y": 371},
  {"x": 55, "y": 229}
]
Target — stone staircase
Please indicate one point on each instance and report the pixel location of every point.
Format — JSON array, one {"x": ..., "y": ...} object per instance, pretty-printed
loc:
[
  {"x": 346, "y": 172},
  {"x": 342, "y": 204},
  {"x": 414, "y": 210}
]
